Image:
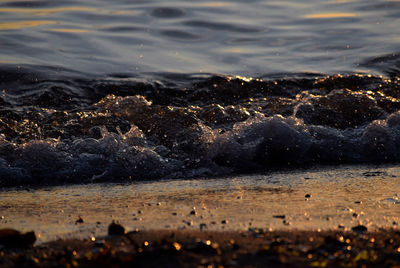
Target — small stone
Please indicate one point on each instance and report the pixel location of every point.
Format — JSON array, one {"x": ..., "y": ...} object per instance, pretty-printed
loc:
[
  {"x": 355, "y": 215},
  {"x": 203, "y": 226},
  {"x": 174, "y": 213},
  {"x": 359, "y": 229},
  {"x": 307, "y": 196},
  {"x": 193, "y": 212},
  {"x": 357, "y": 202},
  {"x": 116, "y": 229},
  {"x": 279, "y": 216},
  {"x": 224, "y": 221},
  {"x": 79, "y": 220}
]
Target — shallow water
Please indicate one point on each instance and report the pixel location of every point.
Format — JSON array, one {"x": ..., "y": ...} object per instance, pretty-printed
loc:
[
  {"x": 340, "y": 198},
  {"x": 143, "y": 90}
]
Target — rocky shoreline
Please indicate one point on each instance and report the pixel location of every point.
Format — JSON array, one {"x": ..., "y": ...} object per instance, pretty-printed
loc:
[{"x": 188, "y": 248}]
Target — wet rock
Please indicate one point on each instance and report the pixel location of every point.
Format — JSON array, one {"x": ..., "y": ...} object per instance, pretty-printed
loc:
[
  {"x": 15, "y": 239},
  {"x": 116, "y": 229},
  {"x": 203, "y": 226},
  {"x": 359, "y": 229},
  {"x": 79, "y": 220},
  {"x": 193, "y": 212}
]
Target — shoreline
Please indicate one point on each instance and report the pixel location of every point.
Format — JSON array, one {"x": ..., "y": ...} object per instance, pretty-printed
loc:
[
  {"x": 188, "y": 248},
  {"x": 335, "y": 198},
  {"x": 323, "y": 217}
]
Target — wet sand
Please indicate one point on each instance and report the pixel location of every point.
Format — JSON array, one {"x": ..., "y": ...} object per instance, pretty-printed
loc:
[{"x": 324, "y": 203}]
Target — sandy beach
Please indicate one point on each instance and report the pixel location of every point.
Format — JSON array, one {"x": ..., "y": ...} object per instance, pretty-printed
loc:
[{"x": 308, "y": 209}]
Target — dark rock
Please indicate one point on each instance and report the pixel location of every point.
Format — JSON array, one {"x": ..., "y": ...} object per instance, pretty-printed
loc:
[
  {"x": 359, "y": 229},
  {"x": 116, "y": 229},
  {"x": 279, "y": 216},
  {"x": 79, "y": 220},
  {"x": 15, "y": 239},
  {"x": 193, "y": 212},
  {"x": 203, "y": 226}
]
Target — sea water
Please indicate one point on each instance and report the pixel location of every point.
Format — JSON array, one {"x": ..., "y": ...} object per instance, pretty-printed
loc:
[{"x": 136, "y": 90}]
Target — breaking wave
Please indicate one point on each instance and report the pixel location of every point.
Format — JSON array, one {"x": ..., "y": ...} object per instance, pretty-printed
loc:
[{"x": 120, "y": 128}]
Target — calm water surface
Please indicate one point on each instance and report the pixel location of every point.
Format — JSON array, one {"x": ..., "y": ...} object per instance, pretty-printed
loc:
[{"x": 229, "y": 37}]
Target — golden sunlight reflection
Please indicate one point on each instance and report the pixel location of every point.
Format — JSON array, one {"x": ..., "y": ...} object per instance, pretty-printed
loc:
[
  {"x": 330, "y": 15},
  {"x": 215, "y": 4},
  {"x": 234, "y": 50},
  {"x": 63, "y": 30},
  {"x": 13, "y": 25},
  {"x": 47, "y": 11}
]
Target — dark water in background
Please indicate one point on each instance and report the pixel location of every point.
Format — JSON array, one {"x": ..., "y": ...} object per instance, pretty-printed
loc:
[
  {"x": 129, "y": 90},
  {"x": 254, "y": 37}
]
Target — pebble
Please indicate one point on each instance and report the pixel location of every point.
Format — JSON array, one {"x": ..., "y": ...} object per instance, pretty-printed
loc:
[
  {"x": 203, "y": 226},
  {"x": 359, "y": 229},
  {"x": 79, "y": 220},
  {"x": 307, "y": 196},
  {"x": 116, "y": 229},
  {"x": 193, "y": 212}
]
